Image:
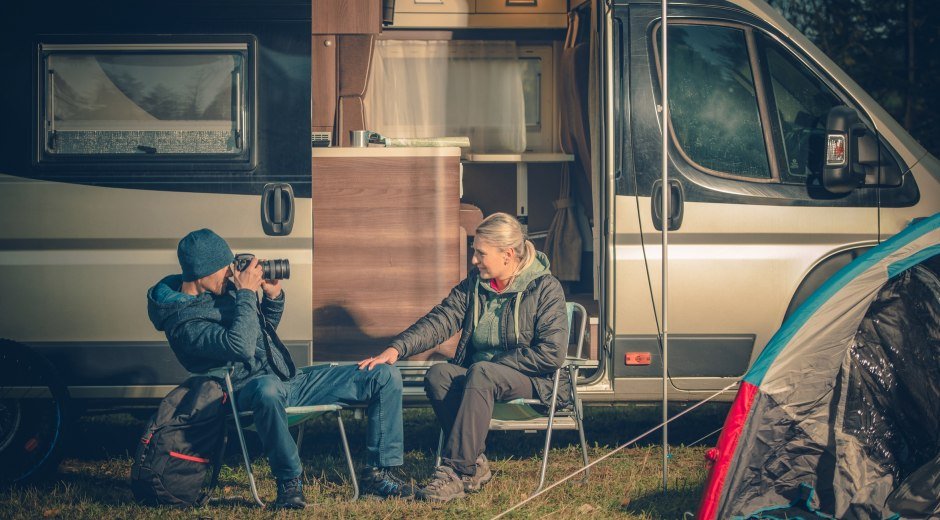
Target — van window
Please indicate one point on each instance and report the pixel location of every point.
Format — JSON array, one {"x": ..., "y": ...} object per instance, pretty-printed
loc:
[
  {"x": 713, "y": 101},
  {"x": 144, "y": 100},
  {"x": 802, "y": 103}
]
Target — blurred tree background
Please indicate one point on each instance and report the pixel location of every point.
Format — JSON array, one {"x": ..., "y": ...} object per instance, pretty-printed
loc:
[{"x": 890, "y": 47}]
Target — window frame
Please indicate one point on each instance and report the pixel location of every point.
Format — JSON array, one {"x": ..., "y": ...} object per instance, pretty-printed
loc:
[
  {"x": 766, "y": 100},
  {"x": 759, "y": 94},
  {"x": 244, "y": 160},
  {"x": 544, "y": 134}
]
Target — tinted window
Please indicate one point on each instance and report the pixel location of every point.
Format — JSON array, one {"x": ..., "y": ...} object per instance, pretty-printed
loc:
[
  {"x": 802, "y": 105},
  {"x": 713, "y": 102},
  {"x": 144, "y": 100}
]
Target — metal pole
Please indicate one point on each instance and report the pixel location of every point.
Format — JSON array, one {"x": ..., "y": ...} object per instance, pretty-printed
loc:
[{"x": 666, "y": 191}]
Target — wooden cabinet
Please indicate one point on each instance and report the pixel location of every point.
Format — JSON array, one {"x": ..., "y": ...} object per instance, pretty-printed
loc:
[
  {"x": 434, "y": 6},
  {"x": 481, "y": 14},
  {"x": 521, "y": 6},
  {"x": 386, "y": 244},
  {"x": 346, "y": 16}
]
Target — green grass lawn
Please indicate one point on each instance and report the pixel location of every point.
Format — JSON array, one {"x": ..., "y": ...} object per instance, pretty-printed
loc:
[{"x": 92, "y": 480}]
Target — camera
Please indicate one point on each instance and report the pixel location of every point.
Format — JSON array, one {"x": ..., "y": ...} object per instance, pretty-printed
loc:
[{"x": 273, "y": 269}]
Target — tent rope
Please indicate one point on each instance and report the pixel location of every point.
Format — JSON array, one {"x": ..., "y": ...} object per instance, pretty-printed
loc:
[
  {"x": 703, "y": 438},
  {"x": 615, "y": 450}
]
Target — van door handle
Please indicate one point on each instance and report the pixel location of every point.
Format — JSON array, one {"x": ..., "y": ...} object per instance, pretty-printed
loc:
[
  {"x": 676, "y": 203},
  {"x": 277, "y": 209}
]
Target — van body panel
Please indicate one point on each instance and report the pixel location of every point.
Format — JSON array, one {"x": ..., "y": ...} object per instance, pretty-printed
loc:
[{"x": 96, "y": 251}]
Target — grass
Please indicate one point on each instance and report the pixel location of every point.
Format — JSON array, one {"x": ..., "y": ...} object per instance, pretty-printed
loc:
[{"x": 92, "y": 480}]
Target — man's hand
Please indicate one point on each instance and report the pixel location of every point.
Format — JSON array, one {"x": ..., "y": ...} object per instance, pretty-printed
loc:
[
  {"x": 250, "y": 278},
  {"x": 271, "y": 288},
  {"x": 389, "y": 357}
]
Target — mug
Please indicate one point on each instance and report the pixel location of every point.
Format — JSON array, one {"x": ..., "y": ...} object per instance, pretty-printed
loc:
[{"x": 359, "y": 138}]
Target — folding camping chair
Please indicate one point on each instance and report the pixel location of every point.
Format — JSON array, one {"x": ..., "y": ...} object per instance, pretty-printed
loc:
[
  {"x": 521, "y": 414},
  {"x": 296, "y": 416}
]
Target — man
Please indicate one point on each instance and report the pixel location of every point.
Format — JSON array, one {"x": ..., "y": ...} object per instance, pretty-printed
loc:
[{"x": 210, "y": 321}]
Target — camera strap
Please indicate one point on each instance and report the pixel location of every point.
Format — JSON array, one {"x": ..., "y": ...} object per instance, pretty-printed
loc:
[{"x": 276, "y": 343}]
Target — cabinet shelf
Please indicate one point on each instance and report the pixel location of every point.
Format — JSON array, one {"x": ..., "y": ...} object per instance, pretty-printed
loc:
[{"x": 515, "y": 158}]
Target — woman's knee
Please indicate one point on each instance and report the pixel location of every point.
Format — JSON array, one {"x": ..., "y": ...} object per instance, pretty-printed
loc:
[
  {"x": 438, "y": 380},
  {"x": 480, "y": 375}
]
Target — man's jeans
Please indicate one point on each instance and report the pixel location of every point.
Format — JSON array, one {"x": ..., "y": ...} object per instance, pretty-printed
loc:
[{"x": 380, "y": 388}]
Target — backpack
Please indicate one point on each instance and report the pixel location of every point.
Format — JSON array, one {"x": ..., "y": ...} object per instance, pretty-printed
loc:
[{"x": 182, "y": 442}]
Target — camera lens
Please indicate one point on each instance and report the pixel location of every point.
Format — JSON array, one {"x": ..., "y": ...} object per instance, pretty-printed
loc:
[{"x": 276, "y": 269}]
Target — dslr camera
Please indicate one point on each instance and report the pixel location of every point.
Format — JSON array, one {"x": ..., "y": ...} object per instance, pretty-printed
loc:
[{"x": 273, "y": 269}]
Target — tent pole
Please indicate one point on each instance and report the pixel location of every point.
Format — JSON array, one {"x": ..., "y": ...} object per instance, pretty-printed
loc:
[{"x": 666, "y": 191}]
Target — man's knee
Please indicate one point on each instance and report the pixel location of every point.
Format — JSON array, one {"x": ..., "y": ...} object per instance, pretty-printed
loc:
[
  {"x": 387, "y": 376},
  {"x": 267, "y": 392}
]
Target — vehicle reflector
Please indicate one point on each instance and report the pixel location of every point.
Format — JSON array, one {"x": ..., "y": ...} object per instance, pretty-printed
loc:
[
  {"x": 835, "y": 150},
  {"x": 637, "y": 358}
]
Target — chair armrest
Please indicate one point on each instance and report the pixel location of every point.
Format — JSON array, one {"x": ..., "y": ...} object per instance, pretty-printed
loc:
[
  {"x": 581, "y": 362},
  {"x": 219, "y": 372}
]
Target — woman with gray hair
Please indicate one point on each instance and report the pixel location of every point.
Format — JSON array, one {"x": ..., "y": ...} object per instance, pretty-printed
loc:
[{"x": 514, "y": 335}]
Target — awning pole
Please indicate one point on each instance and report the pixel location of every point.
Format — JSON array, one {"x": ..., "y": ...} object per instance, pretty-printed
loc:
[{"x": 666, "y": 191}]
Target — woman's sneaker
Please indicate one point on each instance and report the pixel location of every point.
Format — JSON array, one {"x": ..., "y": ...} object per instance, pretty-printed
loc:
[
  {"x": 473, "y": 483},
  {"x": 445, "y": 486},
  {"x": 381, "y": 483}
]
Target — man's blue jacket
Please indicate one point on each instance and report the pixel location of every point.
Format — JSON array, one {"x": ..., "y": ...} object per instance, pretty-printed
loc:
[{"x": 208, "y": 331}]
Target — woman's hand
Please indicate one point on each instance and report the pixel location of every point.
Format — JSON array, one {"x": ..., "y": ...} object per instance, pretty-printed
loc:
[{"x": 389, "y": 356}]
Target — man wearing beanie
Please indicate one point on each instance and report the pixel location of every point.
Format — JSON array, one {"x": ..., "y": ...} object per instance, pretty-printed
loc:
[{"x": 211, "y": 316}]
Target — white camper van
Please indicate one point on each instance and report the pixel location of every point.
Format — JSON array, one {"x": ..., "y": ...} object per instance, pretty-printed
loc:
[{"x": 123, "y": 133}]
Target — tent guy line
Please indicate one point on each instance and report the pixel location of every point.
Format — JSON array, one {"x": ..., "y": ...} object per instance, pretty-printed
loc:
[{"x": 615, "y": 450}]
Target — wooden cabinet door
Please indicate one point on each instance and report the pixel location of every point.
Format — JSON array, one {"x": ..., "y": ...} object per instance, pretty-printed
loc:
[{"x": 386, "y": 249}]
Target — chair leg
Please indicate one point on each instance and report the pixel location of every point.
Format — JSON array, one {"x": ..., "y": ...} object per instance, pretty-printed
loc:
[
  {"x": 548, "y": 431},
  {"x": 299, "y": 442},
  {"x": 579, "y": 418},
  {"x": 349, "y": 462},
  {"x": 300, "y": 435},
  {"x": 440, "y": 448},
  {"x": 241, "y": 441}
]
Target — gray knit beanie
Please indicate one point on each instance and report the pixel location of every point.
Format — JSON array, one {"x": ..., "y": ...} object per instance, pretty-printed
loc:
[{"x": 202, "y": 253}]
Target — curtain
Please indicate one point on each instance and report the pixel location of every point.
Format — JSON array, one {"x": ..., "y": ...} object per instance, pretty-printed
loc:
[
  {"x": 421, "y": 88},
  {"x": 563, "y": 242}
]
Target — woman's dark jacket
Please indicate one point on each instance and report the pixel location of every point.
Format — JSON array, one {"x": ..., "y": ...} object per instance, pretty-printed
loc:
[{"x": 543, "y": 329}]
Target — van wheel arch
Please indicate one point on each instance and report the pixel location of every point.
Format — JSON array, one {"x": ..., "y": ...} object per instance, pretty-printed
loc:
[
  {"x": 33, "y": 431},
  {"x": 821, "y": 272}
]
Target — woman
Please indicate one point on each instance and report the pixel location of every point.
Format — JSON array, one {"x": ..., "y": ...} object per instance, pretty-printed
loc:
[{"x": 511, "y": 311}]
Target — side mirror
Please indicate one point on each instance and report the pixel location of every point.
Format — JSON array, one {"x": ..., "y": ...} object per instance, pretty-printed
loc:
[
  {"x": 854, "y": 156},
  {"x": 841, "y": 169}
]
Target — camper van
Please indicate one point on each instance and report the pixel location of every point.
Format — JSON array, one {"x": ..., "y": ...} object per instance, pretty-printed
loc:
[{"x": 126, "y": 125}]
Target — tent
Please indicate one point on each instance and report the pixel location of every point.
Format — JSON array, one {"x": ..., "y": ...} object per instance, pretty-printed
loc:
[{"x": 839, "y": 417}]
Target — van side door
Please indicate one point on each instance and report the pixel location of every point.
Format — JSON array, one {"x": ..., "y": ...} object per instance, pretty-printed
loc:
[{"x": 748, "y": 116}]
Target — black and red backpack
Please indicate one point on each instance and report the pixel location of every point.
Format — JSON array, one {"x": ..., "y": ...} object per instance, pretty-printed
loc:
[{"x": 180, "y": 452}]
